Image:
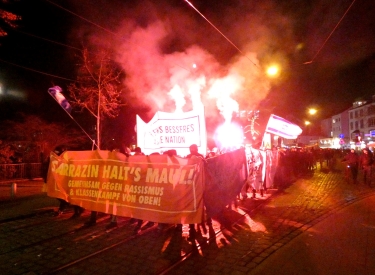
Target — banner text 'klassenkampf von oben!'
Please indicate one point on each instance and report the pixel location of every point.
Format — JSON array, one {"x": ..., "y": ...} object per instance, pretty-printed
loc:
[{"x": 135, "y": 186}]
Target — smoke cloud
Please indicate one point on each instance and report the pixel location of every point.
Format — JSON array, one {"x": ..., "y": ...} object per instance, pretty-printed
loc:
[{"x": 174, "y": 59}]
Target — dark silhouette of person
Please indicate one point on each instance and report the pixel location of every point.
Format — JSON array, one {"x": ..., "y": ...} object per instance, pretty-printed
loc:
[
  {"x": 352, "y": 161},
  {"x": 63, "y": 205},
  {"x": 193, "y": 153},
  {"x": 365, "y": 162}
]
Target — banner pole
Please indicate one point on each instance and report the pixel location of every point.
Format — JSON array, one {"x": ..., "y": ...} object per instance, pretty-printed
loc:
[{"x": 93, "y": 141}]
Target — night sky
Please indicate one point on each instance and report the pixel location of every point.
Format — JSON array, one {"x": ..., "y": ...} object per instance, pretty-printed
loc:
[{"x": 157, "y": 42}]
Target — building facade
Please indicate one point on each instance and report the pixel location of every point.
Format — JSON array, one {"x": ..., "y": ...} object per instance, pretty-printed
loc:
[
  {"x": 340, "y": 130},
  {"x": 362, "y": 122},
  {"x": 355, "y": 127}
]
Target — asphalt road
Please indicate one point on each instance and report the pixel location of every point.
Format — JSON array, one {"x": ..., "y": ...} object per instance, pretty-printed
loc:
[
  {"x": 342, "y": 243},
  {"x": 320, "y": 224}
]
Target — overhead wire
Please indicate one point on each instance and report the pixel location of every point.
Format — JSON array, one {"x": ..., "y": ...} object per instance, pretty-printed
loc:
[
  {"x": 329, "y": 36},
  {"x": 33, "y": 70},
  {"x": 52, "y": 41},
  {"x": 83, "y": 18},
  {"x": 101, "y": 27},
  {"x": 45, "y": 39},
  {"x": 48, "y": 40},
  {"x": 59, "y": 43},
  {"x": 111, "y": 32},
  {"x": 220, "y": 32}
]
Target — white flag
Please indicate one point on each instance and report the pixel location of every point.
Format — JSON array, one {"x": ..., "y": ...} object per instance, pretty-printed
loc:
[
  {"x": 282, "y": 127},
  {"x": 59, "y": 97}
]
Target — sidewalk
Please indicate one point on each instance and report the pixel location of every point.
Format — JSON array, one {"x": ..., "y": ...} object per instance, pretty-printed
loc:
[{"x": 26, "y": 198}]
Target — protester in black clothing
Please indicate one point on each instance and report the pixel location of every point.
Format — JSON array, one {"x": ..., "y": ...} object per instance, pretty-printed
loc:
[
  {"x": 352, "y": 161},
  {"x": 94, "y": 214},
  {"x": 62, "y": 203},
  {"x": 138, "y": 152},
  {"x": 365, "y": 162},
  {"x": 193, "y": 153},
  {"x": 113, "y": 222},
  {"x": 92, "y": 219},
  {"x": 78, "y": 210}
]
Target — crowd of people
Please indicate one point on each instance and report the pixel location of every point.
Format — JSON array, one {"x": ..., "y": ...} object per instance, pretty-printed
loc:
[
  {"x": 298, "y": 162},
  {"x": 289, "y": 165},
  {"x": 294, "y": 163},
  {"x": 359, "y": 163}
]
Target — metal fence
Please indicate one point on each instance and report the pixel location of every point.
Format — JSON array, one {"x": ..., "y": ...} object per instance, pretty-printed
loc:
[{"x": 20, "y": 171}]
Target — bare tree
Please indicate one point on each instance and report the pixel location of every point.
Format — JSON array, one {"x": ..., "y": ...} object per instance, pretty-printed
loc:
[
  {"x": 97, "y": 88},
  {"x": 31, "y": 137},
  {"x": 6, "y": 152}
]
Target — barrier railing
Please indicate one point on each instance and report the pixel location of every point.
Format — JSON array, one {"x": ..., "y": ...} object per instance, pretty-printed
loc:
[{"x": 20, "y": 171}]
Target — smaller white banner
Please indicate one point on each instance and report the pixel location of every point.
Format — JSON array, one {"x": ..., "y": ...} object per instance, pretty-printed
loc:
[
  {"x": 176, "y": 131},
  {"x": 282, "y": 127}
]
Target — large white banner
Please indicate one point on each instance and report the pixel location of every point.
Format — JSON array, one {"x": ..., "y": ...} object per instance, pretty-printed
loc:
[{"x": 178, "y": 131}]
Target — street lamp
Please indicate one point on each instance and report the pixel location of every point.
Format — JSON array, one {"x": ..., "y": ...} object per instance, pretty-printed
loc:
[
  {"x": 311, "y": 125},
  {"x": 312, "y": 111},
  {"x": 307, "y": 127},
  {"x": 273, "y": 71}
]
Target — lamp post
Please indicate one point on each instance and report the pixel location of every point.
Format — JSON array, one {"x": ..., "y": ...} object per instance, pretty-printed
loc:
[
  {"x": 307, "y": 123},
  {"x": 311, "y": 121}
]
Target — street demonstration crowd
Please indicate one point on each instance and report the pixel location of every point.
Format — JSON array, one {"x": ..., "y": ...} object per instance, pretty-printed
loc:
[
  {"x": 297, "y": 162},
  {"x": 285, "y": 167}
]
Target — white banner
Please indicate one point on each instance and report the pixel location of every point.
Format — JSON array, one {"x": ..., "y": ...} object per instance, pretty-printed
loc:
[{"x": 177, "y": 131}]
